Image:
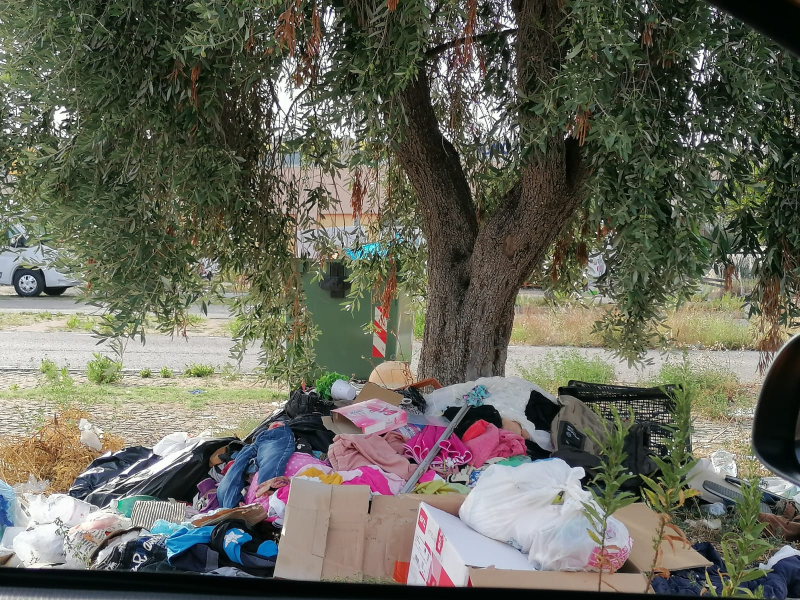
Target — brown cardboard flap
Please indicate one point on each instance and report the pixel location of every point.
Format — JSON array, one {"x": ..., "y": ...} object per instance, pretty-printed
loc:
[
  {"x": 372, "y": 391},
  {"x": 330, "y": 532},
  {"x": 341, "y": 426},
  {"x": 305, "y": 532},
  {"x": 391, "y": 531},
  {"x": 554, "y": 580},
  {"x": 642, "y": 524}
]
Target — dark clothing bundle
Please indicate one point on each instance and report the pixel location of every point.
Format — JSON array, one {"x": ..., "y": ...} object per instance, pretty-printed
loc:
[
  {"x": 782, "y": 582},
  {"x": 487, "y": 413}
]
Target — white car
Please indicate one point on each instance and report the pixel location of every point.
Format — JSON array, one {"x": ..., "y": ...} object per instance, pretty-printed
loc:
[{"x": 26, "y": 267}]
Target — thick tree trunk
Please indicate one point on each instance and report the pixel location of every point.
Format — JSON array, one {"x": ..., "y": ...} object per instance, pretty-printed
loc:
[{"x": 475, "y": 273}]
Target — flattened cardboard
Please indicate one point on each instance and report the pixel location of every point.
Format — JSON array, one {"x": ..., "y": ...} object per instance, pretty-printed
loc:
[
  {"x": 642, "y": 524},
  {"x": 329, "y": 532},
  {"x": 632, "y": 583},
  {"x": 372, "y": 391}
]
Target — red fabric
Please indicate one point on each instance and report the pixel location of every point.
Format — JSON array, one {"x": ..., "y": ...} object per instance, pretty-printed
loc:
[{"x": 476, "y": 429}]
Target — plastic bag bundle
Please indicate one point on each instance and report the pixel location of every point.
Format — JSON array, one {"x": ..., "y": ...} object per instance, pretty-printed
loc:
[
  {"x": 59, "y": 508},
  {"x": 538, "y": 508},
  {"x": 41, "y": 545}
]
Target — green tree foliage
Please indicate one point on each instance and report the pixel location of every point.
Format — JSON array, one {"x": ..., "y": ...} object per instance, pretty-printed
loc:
[{"x": 153, "y": 134}]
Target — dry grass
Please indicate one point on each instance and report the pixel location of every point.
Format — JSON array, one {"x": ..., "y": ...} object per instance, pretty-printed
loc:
[
  {"x": 694, "y": 325},
  {"x": 53, "y": 453},
  {"x": 557, "y": 326}
]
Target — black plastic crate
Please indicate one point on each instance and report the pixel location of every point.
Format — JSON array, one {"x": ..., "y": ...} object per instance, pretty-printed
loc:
[{"x": 652, "y": 406}]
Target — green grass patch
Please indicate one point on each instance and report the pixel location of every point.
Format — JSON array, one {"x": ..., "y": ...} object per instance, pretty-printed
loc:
[
  {"x": 198, "y": 370},
  {"x": 145, "y": 373},
  {"x": 193, "y": 320},
  {"x": 21, "y": 319},
  {"x": 79, "y": 322},
  {"x": 166, "y": 373},
  {"x": 102, "y": 369},
  {"x": 715, "y": 392},
  {"x": 556, "y": 369},
  {"x": 131, "y": 395},
  {"x": 710, "y": 330}
]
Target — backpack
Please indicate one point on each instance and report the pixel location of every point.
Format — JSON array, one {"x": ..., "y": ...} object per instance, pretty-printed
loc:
[{"x": 573, "y": 425}]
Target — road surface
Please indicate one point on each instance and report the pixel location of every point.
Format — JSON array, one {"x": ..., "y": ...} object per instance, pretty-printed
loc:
[
  {"x": 23, "y": 349},
  {"x": 67, "y": 304}
]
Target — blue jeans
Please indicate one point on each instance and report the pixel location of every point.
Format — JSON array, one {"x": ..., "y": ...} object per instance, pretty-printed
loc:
[{"x": 269, "y": 453}]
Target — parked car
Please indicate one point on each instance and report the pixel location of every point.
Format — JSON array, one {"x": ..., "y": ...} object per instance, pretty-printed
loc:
[{"x": 26, "y": 267}]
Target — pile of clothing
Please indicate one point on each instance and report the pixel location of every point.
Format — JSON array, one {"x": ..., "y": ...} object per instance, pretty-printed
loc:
[{"x": 216, "y": 506}]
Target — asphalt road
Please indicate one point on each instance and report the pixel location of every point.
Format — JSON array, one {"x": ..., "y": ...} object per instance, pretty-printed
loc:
[
  {"x": 23, "y": 349},
  {"x": 67, "y": 304}
]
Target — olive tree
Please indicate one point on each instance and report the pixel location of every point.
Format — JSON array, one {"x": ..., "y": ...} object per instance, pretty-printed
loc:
[{"x": 517, "y": 136}]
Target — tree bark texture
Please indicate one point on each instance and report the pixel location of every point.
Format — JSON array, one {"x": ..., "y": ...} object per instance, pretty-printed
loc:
[{"x": 475, "y": 272}]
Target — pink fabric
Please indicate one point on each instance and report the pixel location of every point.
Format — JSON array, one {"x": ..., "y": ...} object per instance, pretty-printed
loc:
[
  {"x": 396, "y": 441},
  {"x": 452, "y": 452},
  {"x": 301, "y": 460},
  {"x": 428, "y": 475},
  {"x": 251, "y": 498},
  {"x": 349, "y": 452},
  {"x": 373, "y": 478},
  {"x": 494, "y": 443}
]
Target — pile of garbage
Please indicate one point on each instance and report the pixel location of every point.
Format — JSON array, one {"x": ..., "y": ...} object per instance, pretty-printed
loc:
[{"x": 484, "y": 483}]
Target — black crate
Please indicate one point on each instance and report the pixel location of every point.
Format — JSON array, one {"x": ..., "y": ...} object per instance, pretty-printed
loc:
[{"x": 652, "y": 406}]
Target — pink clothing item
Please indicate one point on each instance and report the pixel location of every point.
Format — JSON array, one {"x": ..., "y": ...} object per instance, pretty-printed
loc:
[
  {"x": 372, "y": 478},
  {"x": 349, "y": 452},
  {"x": 452, "y": 452},
  {"x": 300, "y": 460},
  {"x": 251, "y": 498},
  {"x": 396, "y": 441},
  {"x": 494, "y": 443},
  {"x": 428, "y": 475}
]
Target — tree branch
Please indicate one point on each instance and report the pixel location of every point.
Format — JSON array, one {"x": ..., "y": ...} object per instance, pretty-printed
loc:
[{"x": 437, "y": 50}]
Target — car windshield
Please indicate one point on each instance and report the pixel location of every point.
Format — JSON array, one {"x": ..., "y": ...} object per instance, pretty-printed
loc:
[{"x": 464, "y": 294}]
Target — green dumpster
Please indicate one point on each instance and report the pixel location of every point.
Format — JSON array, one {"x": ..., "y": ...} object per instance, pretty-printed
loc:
[{"x": 344, "y": 343}]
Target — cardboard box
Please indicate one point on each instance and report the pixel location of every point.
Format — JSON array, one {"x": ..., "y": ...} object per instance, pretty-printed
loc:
[
  {"x": 447, "y": 552},
  {"x": 341, "y": 425},
  {"x": 445, "y": 549},
  {"x": 371, "y": 416},
  {"x": 332, "y": 532}
]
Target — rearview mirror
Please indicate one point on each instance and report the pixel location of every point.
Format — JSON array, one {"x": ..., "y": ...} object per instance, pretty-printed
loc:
[{"x": 776, "y": 424}]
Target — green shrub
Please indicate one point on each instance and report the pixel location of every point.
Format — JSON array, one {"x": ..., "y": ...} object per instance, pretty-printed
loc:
[
  {"x": 194, "y": 320},
  {"x": 102, "y": 370},
  {"x": 711, "y": 390},
  {"x": 48, "y": 367},
  {"x": 558, "y": 368},
  {"x": 82, "y": 322},
  {"x": 198, "y": 370},
  {"x": 145, "y": 373},
  {"x": 166, "y": 373},
  {"x": 325, "y": 383}
]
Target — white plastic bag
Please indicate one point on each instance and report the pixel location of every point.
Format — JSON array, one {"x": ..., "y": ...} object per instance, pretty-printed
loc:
[
  {"x": 174, "y": 442},
  {"x": 43, "y": 544},
  {"x": 65, "y": 509},
  {"x": 90, "y": 435},
  {"x": 538, "y": 508},
  {"x": 82, "y": 541},
  {"x": 724, "y": 463}
]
